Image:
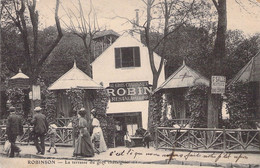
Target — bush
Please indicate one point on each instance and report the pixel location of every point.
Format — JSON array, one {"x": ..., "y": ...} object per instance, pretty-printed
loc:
[
  {"x": 155, "y": 108},
  {"x": 241, "y": 105},
  {"x": 197, "y": 97}
]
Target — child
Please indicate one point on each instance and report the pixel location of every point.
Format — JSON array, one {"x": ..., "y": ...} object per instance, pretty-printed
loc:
[
  {"x": 147, "y": 138},
  {"x": 52, "y": 134}
]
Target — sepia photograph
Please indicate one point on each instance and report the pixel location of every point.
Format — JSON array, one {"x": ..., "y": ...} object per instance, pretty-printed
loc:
[{"x": 130, "y": 83}]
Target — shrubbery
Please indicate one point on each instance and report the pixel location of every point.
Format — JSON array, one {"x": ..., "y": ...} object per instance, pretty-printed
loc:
[
  {"x": 241, "y": 105},
  {"x": 197, "y": 97}
]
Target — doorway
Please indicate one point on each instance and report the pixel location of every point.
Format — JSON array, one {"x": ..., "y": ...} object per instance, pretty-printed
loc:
[{"x": 126, "y": 122}]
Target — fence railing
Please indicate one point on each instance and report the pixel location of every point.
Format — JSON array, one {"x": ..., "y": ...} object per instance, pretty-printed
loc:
[
  {"x": 64, "y": 135},
  {"x": 206, "y": 139},
  {"x": 62, "y": 122},
  {"x": 182, "y": 123}
]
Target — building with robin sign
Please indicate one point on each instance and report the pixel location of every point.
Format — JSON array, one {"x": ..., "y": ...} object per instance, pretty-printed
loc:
[{"x": 124, "y": 69}]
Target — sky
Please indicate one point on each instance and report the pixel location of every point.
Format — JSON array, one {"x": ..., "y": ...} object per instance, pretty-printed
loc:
[{"x": 243, "y": 17}]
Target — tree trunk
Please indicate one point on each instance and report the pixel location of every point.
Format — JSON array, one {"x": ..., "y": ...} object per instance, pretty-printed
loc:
[
  {"x": 214, "y": 109},
  {"x": 214, "y": 101}
]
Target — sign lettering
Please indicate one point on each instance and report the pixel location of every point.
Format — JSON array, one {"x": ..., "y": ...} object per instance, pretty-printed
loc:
[
  {"x": 129, "y": 91},
  {"x": 218, "y": 84}
]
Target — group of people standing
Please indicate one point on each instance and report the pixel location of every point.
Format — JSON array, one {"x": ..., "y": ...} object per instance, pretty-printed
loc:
[{"x": 87, "y": 144}]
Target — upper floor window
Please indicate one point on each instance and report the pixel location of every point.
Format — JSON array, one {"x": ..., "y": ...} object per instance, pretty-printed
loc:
[{"x": 127, "y": 57}]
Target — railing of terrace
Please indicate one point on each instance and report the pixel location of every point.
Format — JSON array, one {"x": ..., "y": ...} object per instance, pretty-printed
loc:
[
  {"x": 63, "y": 122},
  {"x": 206, "y": 139},
  {"x": 64, "y": 135},
  {"x": 182, "y": 123}
]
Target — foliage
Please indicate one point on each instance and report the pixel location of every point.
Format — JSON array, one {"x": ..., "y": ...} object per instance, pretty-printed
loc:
[
  {"x": 241, "y": 105},
  {"x": 23, "y": 17},
  {"x": 107, "y": 123},
  {"x": 61, "y": 60},
  {"x": 239, "y": 55},
  {"x": 49, "y": 103},
  {"x": 76, "y": 98},
  {"x": 15, "y": 95},
  {"x": 197, "y": 102},
  {"x": 155, "y": 108}
]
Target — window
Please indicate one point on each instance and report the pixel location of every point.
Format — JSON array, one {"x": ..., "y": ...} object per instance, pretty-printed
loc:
[{"x": 127, "y": 57}]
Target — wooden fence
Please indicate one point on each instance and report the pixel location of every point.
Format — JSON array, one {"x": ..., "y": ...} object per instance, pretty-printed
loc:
[
  {"x": 64, "y": 135},
  {"x": 206, "y": 139}
]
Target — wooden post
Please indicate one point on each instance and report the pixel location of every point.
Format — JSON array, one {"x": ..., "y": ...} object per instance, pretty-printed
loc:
[
  {"x": 73, "y": 136},
  {"x": 189, "y": 138},
  {"x": 156, "y": 138},
  {"x": 224, "y": 139}
]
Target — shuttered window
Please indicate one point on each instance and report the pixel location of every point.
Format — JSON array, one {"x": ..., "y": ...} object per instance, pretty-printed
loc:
[{"x": 127, "y": 57}]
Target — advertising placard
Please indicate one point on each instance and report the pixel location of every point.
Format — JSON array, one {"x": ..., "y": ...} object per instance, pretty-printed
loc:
[{"x": 218, "y": 84}]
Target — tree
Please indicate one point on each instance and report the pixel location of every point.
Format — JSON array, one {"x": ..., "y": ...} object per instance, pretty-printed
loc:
[
  {"x": 85, "y": 28},
  {"x": 24, "y": 16},
  {"x": 219, "y": 52},
  {"x": 173, "y": 15},
  {"x": 168, "y": 16},
  {"x": 240, "y": 50}
]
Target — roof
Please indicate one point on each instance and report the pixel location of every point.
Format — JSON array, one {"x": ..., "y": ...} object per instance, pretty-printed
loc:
[
  {"x": 183, "y": 77},
  {"x": 74, "y": 78},
  {"x": 105, "y": 33},
  {"x": 20, "y": 75},
  {"x": 250, "y": 72}
]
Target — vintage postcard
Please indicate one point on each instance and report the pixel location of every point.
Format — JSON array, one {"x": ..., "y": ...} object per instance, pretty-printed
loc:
[{"x": 130, "y": 83}]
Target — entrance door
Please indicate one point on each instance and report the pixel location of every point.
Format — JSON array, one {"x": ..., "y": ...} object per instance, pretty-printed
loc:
[{"x": 126, "y": 122}]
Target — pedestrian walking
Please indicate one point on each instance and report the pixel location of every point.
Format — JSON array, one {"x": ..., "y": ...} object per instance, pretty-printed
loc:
[
  {"x": 97, "y": 137},
  {"x": 52, "y": 134},
  {"x": 83, "y": 145},
  {"x": 14, "y": 127},
  {"x": 40, "y": 128}
]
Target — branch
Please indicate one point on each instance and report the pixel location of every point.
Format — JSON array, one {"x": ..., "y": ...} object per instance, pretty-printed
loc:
[
  {"x": 55, "y": 43},
  {"x": 34, "y": 21}
]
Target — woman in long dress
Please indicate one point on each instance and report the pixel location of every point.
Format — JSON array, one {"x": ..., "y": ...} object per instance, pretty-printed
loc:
[
  {"x": 97, "y": 137},
  {"x": 83, "y": 145}
]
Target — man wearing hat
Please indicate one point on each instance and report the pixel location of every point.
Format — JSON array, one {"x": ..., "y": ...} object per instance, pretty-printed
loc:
[
  {"x": 14, "y": 127},
  {"x": 40, "y": 128}
]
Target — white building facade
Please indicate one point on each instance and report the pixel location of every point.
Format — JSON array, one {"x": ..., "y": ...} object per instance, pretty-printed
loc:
[{"x": 124, "y": 69}]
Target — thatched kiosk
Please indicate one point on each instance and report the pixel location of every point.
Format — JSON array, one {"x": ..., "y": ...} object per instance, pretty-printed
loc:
[
  {"x": 251, "y": 73},
  {"x": 74, "y": 79},
  {"x": 175, "y": 87}
]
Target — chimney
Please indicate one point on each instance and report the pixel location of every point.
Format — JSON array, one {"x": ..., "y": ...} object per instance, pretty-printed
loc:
[
  {"x": 136, "y": 16},
  {"x": 136, "y": 32}
]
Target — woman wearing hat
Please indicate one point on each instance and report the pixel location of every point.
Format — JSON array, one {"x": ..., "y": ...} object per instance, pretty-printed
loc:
[
  {"x": 83, "y": 146},
  {"x": 97, "y": 136}
]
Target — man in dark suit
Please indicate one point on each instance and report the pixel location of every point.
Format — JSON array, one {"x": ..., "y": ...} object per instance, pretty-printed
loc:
[
  {"x": 40, "y": 128},
  {"x": 14, "y": 127}
]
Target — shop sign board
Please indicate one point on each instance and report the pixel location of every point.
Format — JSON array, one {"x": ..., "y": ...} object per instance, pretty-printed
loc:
[
  {"x": 218, "y": 84},
  {"x": 129, "y": 91}
]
